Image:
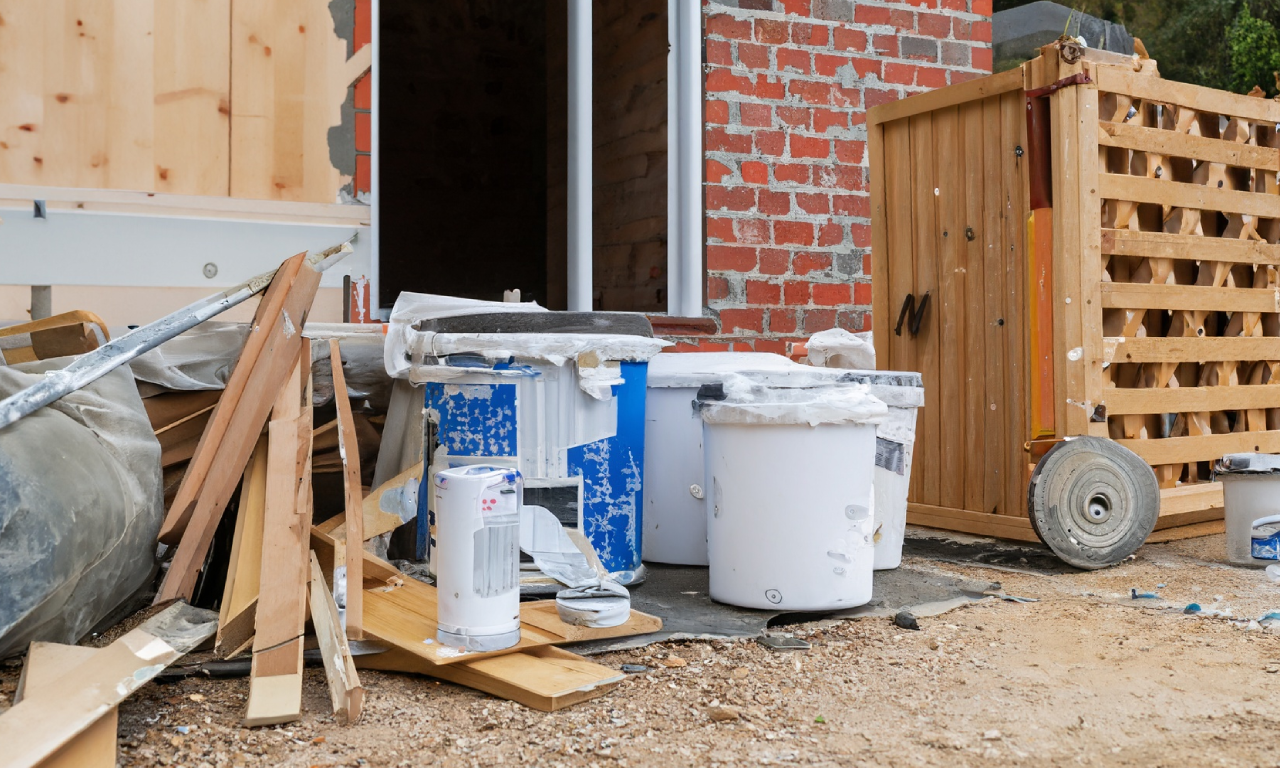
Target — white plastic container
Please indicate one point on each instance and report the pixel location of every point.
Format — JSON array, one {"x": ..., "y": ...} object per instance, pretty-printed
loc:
[
  {"x": 1251, "y": 500},
  {"x": 478, "y": 565},
  {"x": 788, "y": 477},
  {"x": 675, "y": 512}
]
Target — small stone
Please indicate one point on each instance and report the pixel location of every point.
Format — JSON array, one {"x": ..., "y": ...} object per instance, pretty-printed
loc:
[
  {"x": 674, "y": 661},
  {"x": 634, "y": 669},
  {"x": 992, "y": 736},
  {"x": 196, "y": 697},
  {"x": 933, "y": 644},
  {"x": 906, "y": 620},
  {"x": 724, "y": 714},
  {"x": 741, "y": 673},
  {"x": 318, "y": 740}
]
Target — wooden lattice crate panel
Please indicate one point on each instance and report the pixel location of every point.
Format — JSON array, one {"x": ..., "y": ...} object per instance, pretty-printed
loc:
[{"x": 1189, "y": 344}]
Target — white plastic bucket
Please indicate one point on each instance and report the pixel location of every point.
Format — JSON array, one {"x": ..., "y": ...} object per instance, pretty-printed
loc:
[
  {"x": 1252, "y": 512},
  {"x": 789, "y": 523}
]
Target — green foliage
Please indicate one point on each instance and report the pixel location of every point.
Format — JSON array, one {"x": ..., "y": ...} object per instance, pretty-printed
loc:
[
  {"x": 1227, "y": 44},
  {"x": 1254, "y": 52}
]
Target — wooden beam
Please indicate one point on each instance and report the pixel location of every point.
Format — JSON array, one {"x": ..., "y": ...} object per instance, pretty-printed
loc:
[
  {"x": 1171, "y": 143},
  {"x": 280, "y": 350},
  {"x": 50, "y": 717},
  {"x": 1186, "y": 532},
  {"x": 96, "y": 746},
  {"x": 1017, "y": 528},
  {"x": 1195, "y": 97},
  {"x": 1189, "y": 297},
  {"x": 1189, "y": 349},
  {"x": 275, "y": 686},
  {"x": 1159, "y": 245},
  {"x": 345, "y": 691},
  {"x": 210, "y": 455},
  {"x": 1182, "y": 450},
  {"x": 1153, "y": 400},
  {"x": 1139, "y": 189},
  {"x": 236, "y": 617},
  {"x": 547, "y": 679},
  {"x": 953, "y": 95},
  {"x": 349, "y": 450}
]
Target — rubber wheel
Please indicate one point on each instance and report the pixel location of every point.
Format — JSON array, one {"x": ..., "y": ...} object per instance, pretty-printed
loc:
[{"x": 1093, "y": 502}]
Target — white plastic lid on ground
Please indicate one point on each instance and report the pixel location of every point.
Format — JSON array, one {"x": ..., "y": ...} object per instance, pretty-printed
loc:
[
  {"x": 415, "y": 355},
  {"x": 838, "y": 348},
  {"x": 747, "y": 401}
]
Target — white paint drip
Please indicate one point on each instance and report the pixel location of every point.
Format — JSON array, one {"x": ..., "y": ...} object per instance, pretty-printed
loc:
[
  {"x": 1075, "y": 354},
  {"x": 289, "y": 328}
]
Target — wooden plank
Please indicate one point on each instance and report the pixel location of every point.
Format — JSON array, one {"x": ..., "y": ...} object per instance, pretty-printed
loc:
[
  {"x": 63, "y": 341},
  {"x": 1171, "y": 143},
  {"x": 949, "y": 304},
  {"x": 22, "y": 47},
  {"x": 900, "y": 249},
  {"x": 1120, "y": 349},
  {"x": 345, "y": 692},
  {"x": 1190, "y": 498},
  {"x": 547, "y": 679},
  {"x": 236, "y": 616},
  {"x": 1181, "y": 450},
  {"x": 995, "y": 404},
  {"x": 96, "y": 746},
  {"x": 924, "y": 235},
  {"x": 287, "y": 71},
  {"x": 51, "y": 716},
  {"x": 211, "y": 456},
  {"x": 1115, "y": 186},
  {"x": 1187, "y": 517},
  {"x": 1187, "y": 532},
  {"x": 354, "y": 523},
  {"x": 192, "y": 97},
  {"x": 977, "y": 523},
  {"x": 1088, "y": 302},
  {"x": 1189, "y": 297},
  {"x": 974, "y": 329},
  {"x": 282, "y": 345},
  {"x": 881, "y": 288},
  {"x": 275, "y": 686},
  {"x": 950, "y": 96},
  {"x": 171, "y": 407},
  {"x": 1159, "y": 245},
  {"x": 1198, "y": 98},
  {"x": 543, "y": 615},
  {"x": 1241, "y": 397},
  {"x": 1067, "y": 264},
  {"x": 1015, "y": 197}
]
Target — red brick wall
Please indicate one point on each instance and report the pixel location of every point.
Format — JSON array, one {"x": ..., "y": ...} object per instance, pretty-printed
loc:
[{"x": 787, "y": 86}]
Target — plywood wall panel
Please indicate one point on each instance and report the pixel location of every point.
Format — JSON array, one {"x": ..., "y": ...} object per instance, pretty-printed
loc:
[{"x": 193, "y": 97}]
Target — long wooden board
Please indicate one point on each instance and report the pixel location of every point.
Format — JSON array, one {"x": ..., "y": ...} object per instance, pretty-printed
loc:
[
  {"x": 546, "y": 679},
  {"x": 1166, "y": 142},
  {"x": 1190, "y": 349},
  {"x": 1196, "y": 97},
  {"x": 1180, "y": 450},
  {"x": 1189, "y": 297},
  {"x": 1138, "y": 189},
  {"x": 1161, "y": 245},
  {"x": 345, "y": 692},
  {"x": 349, "y": 450},
  {"x": 96, "y": 746},
  {"x": 48, "y": 718},
  {"x": 929, "y": 101},
  {"x": 1191, "y": 399},
  {"x": 236, "y": 615}
]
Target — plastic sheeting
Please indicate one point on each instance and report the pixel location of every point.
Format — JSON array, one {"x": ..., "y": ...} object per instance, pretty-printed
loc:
[
  {"x": 412, "y": 308},
  {"x": 837, "y": 348},
  {"x": 80, "y": 507},
  {"x": 748, "y": 402}
]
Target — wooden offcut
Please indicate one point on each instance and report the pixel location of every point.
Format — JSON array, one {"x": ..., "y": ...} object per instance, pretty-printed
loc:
[
  {"x": 244, "y": 568},
  {"x": 354, "y": 514},
  {"x": 1154, "y": 294},
  {"x": 95, "y": 747},
  {"x": 345, "y": 692}
]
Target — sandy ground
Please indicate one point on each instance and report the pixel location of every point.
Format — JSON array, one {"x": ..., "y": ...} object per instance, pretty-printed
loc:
[{"x": 1085, "y": 676}]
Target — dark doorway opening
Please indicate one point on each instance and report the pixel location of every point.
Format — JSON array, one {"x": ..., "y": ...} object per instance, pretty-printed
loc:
[{"x": 463, "y": 148}]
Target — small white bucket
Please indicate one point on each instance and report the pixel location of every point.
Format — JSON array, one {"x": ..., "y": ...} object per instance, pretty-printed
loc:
[{"x": 1252, "y": 511}]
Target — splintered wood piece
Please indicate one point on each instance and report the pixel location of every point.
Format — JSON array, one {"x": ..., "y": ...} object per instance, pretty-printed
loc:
[
  {"x": 211, "y": 451},
  {"x": 165, "y": 410},
  {"x": 240, "y": 593},
  {"x": 349, "y": 449},
  {"x": 546, "y": 679},
  {"x": 275, "y": 686},
  {"x": 96, "y": 746},
  {"x": 345, "y": 690},
  {"x": 49, "y": 717},
  {"x": 280, "y": 351}
]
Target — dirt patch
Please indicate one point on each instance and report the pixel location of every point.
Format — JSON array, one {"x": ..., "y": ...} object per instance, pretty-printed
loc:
[{"x": 1087, "y": 676}]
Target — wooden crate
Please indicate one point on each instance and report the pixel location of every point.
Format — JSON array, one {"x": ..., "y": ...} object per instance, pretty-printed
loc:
[{"x": 1142, "y": 304}]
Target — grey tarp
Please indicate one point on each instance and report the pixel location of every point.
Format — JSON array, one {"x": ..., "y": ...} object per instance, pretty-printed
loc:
[{"x": 80, "y": 507}]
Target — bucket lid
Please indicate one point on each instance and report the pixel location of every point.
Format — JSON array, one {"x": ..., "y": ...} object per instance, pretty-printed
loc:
[
  {"x": 694, "y": 369},
  {"x": 745, "y": 401},
  {"x": 1247, "y": 464}
]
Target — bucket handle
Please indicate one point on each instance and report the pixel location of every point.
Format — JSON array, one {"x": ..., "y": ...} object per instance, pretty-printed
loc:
[{"x": 1264, "y": 521}]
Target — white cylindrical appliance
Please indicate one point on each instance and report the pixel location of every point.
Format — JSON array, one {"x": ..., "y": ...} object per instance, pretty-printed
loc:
[
  {"x": 1251, "y": 496},
  {"x": 789, "y": 484},
  {"x": 478, "y": 557}
]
